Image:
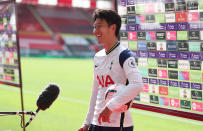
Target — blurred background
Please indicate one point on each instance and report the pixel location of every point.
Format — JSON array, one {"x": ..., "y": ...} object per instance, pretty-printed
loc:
[
  {"x": 58, "y": 28},
  {"x": 57, "y": 46}
]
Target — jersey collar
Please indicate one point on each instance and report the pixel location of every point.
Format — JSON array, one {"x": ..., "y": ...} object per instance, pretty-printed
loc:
[{"x": 117, "y": 44}]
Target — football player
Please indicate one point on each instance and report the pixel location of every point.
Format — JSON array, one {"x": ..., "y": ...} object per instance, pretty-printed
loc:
[{"x": 113, "y": 65}]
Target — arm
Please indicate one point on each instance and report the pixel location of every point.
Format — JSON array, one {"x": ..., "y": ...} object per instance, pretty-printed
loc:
[
  {"x": 90, "y": 113},
  {"x": 92, "y": 102},
  {"x": 135, "y": 85}
]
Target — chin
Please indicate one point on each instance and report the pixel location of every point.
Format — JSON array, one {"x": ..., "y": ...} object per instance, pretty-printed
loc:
[{"x": 99, "y": 42}]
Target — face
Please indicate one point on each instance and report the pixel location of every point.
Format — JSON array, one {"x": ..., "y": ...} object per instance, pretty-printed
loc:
[{"x": 102, "y": 31}]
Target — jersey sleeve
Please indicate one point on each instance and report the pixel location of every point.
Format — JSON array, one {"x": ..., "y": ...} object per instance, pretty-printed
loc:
[
  {"x": 135, "y": 84},
  {"x": 92, "y": 104}
]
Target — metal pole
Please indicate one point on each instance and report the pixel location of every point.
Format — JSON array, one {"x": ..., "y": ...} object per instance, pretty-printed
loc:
[
  {"x": 19, "y": 66},
  {"x": 116, "y": 5}
]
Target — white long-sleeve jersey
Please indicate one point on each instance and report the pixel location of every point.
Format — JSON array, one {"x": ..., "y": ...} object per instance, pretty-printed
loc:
[{"x": 117, "y": 67}]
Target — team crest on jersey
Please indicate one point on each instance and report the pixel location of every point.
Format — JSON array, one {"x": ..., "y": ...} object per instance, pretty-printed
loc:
[{"x": 132, "y": 63}]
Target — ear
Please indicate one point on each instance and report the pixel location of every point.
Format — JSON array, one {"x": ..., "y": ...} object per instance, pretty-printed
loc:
[{"x": 113, "y": 27}]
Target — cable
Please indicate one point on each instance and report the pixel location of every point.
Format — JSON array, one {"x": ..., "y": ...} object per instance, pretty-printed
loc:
[{"x": 21, "y": 123}]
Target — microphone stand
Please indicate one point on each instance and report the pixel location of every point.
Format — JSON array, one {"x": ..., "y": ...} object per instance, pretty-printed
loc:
[
  {"x": 17, "y": 113},
  {"x": 20, "y": 113}
]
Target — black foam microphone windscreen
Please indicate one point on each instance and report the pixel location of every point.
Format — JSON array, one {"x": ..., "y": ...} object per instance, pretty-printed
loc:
[{"x": 48, "y": 96}]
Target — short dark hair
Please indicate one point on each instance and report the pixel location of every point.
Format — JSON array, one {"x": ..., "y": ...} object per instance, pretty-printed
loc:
[{"x": 111, "y": 17}]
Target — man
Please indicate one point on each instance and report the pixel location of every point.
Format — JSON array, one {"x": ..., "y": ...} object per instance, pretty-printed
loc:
[{"x": 112, "y": 65}]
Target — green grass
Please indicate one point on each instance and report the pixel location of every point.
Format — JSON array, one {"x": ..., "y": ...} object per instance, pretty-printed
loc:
[{"x": 68, "y": 112}]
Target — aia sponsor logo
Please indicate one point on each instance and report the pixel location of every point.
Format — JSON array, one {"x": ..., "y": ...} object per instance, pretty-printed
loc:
[
  {"x": 163, "y": 90},
  {"x": 181, "y": 17},
  {"x": 105, "y": 81}
]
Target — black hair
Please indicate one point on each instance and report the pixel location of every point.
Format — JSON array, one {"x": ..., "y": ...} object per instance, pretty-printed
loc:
[{"x": 111, "y": 17}]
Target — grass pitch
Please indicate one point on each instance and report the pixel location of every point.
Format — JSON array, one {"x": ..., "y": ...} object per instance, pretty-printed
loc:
[{"x": 68, "y": 112}]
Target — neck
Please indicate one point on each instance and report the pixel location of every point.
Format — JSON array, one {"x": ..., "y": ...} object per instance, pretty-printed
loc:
[{"x": 110, "y": 44}]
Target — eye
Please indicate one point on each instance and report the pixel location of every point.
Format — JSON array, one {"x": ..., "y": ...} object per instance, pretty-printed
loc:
[{"x": 97, "y": 27}]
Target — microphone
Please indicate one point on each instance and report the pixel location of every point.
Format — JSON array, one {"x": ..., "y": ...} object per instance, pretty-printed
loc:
[{"x": 46, "y": 98}]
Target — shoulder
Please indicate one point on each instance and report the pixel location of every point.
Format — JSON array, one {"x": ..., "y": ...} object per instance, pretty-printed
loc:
[
  {"x": 100, "y": 53},
  {"x": 124, "y": 55}
]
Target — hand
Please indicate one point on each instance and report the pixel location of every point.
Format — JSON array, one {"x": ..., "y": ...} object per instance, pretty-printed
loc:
[
  {"x": 83, "y": 128},
  {"x": 104, "y": 116}
]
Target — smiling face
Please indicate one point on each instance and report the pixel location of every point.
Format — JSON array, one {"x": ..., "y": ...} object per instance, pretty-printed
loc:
[{"x": 103, "y": 31}]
